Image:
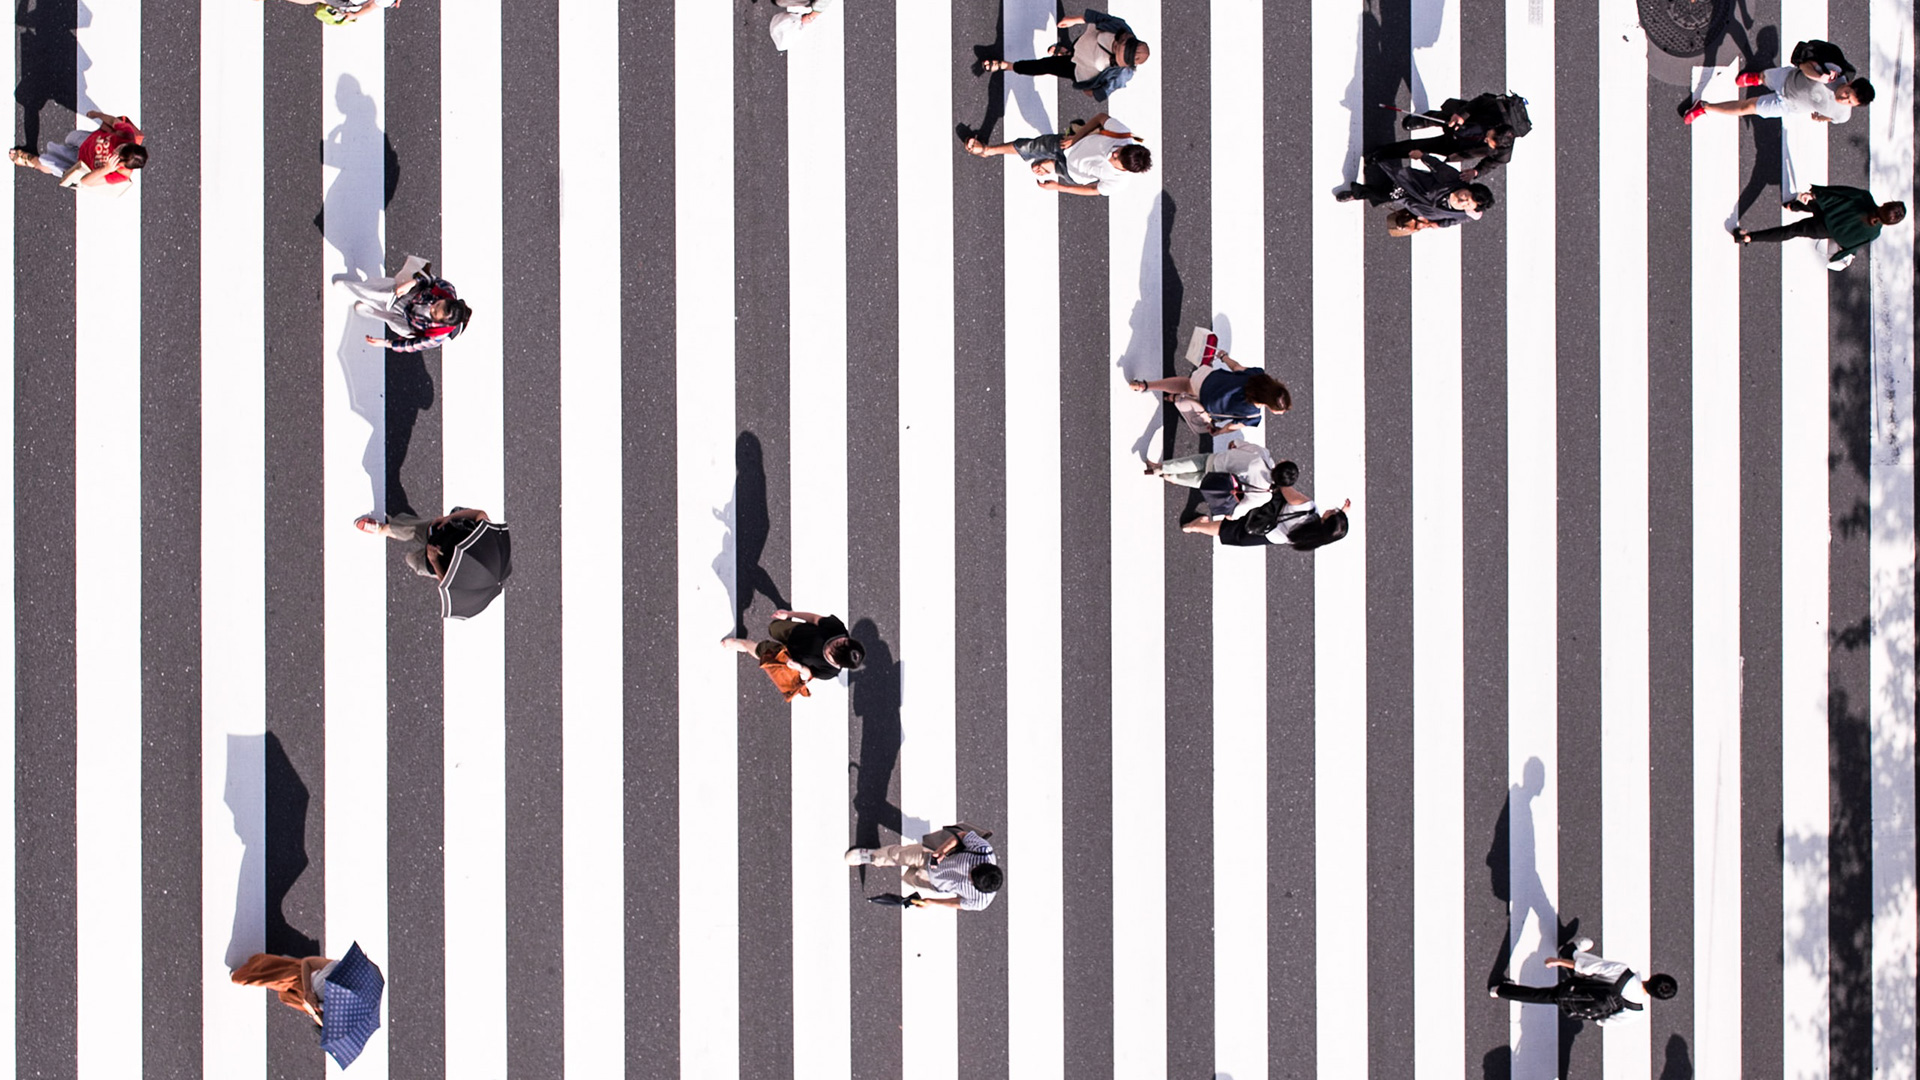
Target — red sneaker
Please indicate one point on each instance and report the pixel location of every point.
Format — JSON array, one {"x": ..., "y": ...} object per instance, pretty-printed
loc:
[
  {"x": 1699, "y": 110},
  {"x": 1748, "y": 78}
]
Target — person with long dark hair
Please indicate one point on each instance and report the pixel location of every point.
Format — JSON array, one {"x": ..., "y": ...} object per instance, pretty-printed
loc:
[
  {"x": 423, "y": 310},
  {"x": 1232, "y": 393},
  {"x": 1293, "y": 519}
]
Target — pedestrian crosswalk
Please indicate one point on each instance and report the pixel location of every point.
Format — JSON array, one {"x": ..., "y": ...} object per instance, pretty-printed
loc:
[{"x": 1621, "y": 644}]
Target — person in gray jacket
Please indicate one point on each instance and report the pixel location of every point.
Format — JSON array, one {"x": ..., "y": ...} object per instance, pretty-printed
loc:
[{"x": 1433, "y": 196}]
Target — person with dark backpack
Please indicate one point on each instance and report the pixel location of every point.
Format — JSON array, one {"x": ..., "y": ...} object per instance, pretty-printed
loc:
[
  {"x": 1473, "y": 119},
  {"x": 1293, "y": 519},
  {"x": 1598, "y": 990}
]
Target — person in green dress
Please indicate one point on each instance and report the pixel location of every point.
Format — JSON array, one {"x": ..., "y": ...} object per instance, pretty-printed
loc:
[{"x": 1848, "y": 216}]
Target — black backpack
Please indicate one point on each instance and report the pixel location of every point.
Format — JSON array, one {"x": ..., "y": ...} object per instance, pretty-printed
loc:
[
  {"x": 1512, "y": 109},
  {"x": 1584, "y": 998}
]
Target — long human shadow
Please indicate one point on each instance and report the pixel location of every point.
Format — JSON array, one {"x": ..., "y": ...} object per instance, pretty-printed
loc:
[
  {"x": 1026, "y": 97},
  {"x": 409, "y": 393},
  {"x": 748, "y": 526},
  {"x": 352, "y": 227},
  {"x": 1377, "y": 78},
  {"x": 876, "y": 702},
  {"x": 53, "y": 67},
  {"x": 1516, "y": 880},
  {"x": 269, "y": 810},
  {"x": 1769, "y": 147}
]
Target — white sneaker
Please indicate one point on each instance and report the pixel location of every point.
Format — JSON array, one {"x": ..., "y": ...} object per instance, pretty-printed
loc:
[
  {"x": 1493, "y": 992},
  {"x": 858, "y": 856},
  {"x": 1584, "y": 944}
]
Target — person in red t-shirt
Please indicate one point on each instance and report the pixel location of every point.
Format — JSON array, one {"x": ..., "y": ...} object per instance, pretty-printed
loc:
[{"x": 106, "y": 155}]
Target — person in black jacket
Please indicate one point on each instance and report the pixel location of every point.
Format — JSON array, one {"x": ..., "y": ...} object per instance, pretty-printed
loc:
[
  {"x": 1475, "y": 153},
  {"x": 1433, "y": 194},
  {"x": 1598, "y": 989},
  {"x": 818, "y": 646}
]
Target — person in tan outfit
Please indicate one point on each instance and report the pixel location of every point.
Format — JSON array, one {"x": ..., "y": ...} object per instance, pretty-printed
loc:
[{"x": 298, "y": 982}]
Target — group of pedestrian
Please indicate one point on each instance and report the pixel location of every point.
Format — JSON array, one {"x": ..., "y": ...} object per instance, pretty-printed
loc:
[
  {"x": 1819, "y": 84},
  {"x": 1436, "y": 182},
  {"x": 1238, "y": 483}
]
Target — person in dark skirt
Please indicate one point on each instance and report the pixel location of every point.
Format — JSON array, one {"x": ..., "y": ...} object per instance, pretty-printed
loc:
[
  {"x": 817, "y": 646},
  {"x": 1293, "y": 519},
  {"x": 1848, "y": 216}
]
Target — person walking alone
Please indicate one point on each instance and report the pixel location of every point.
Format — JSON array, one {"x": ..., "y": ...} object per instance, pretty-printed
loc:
[
  {"x": 1847, "y": 216},
  {"x": 1099, "y": 61},
  {"x": 1598, "y": 990},
  {"x": 956, "y": 862}
]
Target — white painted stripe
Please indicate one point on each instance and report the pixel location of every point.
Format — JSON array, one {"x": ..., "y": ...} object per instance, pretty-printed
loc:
[
  {"x": 106, "y": 481},
  {"x": 1137, "y": 531},
  {"x": 1805, "y": 785},
  {"x": 817, "y": 428},
  {"x": 1137, "y": 523},
  {"x": 1532, "y": 537},
  {"x": 709, "y": 709},
  {"x": 1036, "y": 965},
  {"x": 1338, "y": 469},
  {"x": 1895, "y": 904},
  {"x": 9, "y": 860},
  {"x": 592, "y": 658},
  {"x": 924, "y": 424},
  {"x": 1626, "y": 842},
  {"x": 1239, "y": 629},
  {"x": 233, "y": 671},
  {"x": 473, "y": 446},
  {"x": 353, "y": 72},
  {"x": 1716, "y": 593},
  {"x": 1439, "y": 607}
]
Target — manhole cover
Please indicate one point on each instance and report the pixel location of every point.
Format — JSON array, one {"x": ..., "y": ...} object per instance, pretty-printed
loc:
[{"x": 1683, "y": 27}]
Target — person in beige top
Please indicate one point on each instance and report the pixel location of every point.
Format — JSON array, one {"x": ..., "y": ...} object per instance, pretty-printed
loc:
[{"x": 1099, "y": 61}]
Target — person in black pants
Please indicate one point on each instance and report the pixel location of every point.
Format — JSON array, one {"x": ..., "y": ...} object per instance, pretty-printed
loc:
[
  {"x": 1598, "y": 989},
  {"x": 1476, "y": 153},
  {"x": 1848, "y": 216}
]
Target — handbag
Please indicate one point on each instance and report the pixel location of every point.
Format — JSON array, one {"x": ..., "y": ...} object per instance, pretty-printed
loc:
[{"x": 789, "y": 682}]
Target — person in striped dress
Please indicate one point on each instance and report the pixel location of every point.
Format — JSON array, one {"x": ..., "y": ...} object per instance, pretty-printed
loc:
[{"x": 956, "y": 862}]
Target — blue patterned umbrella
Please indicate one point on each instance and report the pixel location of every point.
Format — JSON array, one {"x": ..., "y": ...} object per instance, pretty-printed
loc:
[{"x": 351, "y": 1009}]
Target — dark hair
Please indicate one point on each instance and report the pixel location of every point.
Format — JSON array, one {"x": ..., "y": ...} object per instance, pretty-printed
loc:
[
  {"x": 1482, "y": 197},
  {"x": 1893, "y": 213},
  {"x": 847, "y": 654},
  {"x": 1503, "y": 137},
  {"x": 132, "y": 156},
  {"x": 1662, "y": 986},
  {"x": 987, "y": 877},
  {"x": 1862, "y": 90},
  {"x": 1136, "y": 158},
  {"x": 1319, "y": 532},
  {"x": 458, "y": 313},
  {"x": 1286, "y": 474},
  {"x": 1264, "y": 389},
  {"x": 1138, "y": 53}
]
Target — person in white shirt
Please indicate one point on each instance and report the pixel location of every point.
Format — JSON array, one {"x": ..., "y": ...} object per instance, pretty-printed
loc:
[
  {"x": 1094, "y": 159},
  {"x": 1600, "y": 989}
]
